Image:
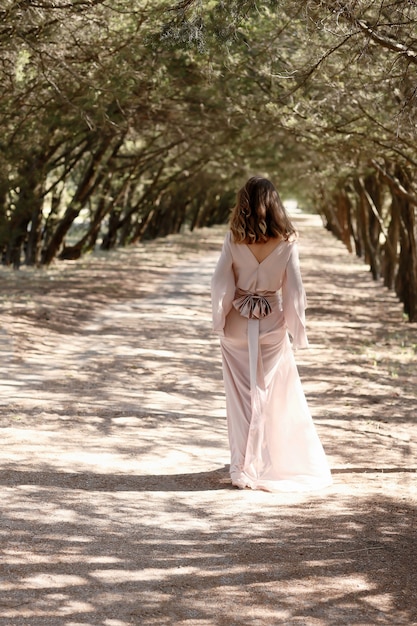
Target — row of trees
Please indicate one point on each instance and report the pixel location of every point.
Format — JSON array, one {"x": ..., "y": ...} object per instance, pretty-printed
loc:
[
  {"x": 370, "y": 201},
  {"x": 129, "y": 121},
  {"x": 99, "y": 128}
]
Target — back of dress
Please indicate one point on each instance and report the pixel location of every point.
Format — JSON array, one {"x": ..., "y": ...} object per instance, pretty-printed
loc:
[
  {"x": 256, "y": 305},
  {"x": 238, "y": 269}
]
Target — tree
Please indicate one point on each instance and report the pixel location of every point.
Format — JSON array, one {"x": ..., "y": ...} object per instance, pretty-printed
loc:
[{"x": 136, "y": 120}]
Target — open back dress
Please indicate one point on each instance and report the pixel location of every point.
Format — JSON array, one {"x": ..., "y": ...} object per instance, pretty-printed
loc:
[{"x": 273, "y": 442}]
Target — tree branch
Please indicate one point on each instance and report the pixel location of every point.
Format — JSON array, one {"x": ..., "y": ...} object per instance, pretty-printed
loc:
[
  {"x": 394, "y": 183},
  {"x": 386, "y": 42}
]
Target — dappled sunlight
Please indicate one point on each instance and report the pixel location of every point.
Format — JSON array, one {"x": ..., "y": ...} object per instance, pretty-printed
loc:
[
  {"x": 123, "y": 360},
  {"x": 359, "y": 375},
  {"x": 192, "y": 555},
  {"x": 117, "y": 504}
]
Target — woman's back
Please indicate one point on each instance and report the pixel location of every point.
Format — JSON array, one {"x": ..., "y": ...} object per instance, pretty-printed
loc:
[
  {"x": 261, "y": 250},
  {"x": 260, "y": 267}
]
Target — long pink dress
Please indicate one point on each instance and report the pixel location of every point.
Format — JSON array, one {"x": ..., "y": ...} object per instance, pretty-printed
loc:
[{"x": 274, "y": 445}]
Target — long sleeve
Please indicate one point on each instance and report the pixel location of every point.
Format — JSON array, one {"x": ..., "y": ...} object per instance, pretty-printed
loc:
[
  {"x": 294, "y": 300},
  {"x": 222, "y": 287}
]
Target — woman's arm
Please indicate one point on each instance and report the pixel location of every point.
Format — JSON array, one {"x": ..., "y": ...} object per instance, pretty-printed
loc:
[
  {"x": 222, "y": 287},
  {"x": 294, "y": 300}
]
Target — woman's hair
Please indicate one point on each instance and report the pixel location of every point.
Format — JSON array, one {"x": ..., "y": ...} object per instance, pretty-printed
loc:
[{"x": 259, "y": 213}]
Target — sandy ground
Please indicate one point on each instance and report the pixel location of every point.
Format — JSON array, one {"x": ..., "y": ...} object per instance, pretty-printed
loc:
[{"x": 116, "y": 503}]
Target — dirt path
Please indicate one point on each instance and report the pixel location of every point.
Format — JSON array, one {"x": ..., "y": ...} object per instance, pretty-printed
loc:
[{"x": 117, "y": 508}]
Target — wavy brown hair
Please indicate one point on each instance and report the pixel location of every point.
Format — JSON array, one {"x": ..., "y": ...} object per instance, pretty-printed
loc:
[{"x": 259, "y": 214}]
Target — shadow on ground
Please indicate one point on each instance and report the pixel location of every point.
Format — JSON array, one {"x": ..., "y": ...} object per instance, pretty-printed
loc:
[
  {"x": 94, "y": 557},
  {"x": 116, "y": 503}
]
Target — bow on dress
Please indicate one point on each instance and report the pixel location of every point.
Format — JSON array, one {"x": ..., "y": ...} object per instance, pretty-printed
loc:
[{"x": 252, "y": 305}]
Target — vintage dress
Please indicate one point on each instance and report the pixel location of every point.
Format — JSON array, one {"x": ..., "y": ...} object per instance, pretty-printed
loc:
[{"x": 273, "y": 442}]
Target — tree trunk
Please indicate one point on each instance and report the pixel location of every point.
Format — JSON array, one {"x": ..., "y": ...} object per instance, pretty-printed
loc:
[
  {"x": 110, "y": 238},
  {"x": 28, "y": 209},
  {"x": 344, "y": 217},
  {"x": 4, "y": 230},
  {"x": 361, "y": 226},
  {"x": 32, "y": 250},
  {"x": 390, "y": 249},
  {"x": 368, "y": 195},
  {"x": 372, "y": 189},
  {"x": 406, "y": 281},
  {"x": 87, "y": 185}
]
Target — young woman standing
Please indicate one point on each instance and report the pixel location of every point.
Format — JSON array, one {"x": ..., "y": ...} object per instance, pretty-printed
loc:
[{"x": 258, "y": 301}]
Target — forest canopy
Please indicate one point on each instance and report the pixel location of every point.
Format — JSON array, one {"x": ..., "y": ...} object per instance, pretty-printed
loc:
[{"x": 128, "y": 120}]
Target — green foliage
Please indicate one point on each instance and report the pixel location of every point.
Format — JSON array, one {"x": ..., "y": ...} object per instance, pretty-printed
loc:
[{"x": 131, "y": 119}]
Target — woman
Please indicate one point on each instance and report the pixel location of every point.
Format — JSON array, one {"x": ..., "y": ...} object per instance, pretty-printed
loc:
[{"x": 258, "y": 298}]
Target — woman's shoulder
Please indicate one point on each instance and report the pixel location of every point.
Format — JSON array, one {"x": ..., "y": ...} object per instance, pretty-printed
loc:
[
  {"x": 228, "y": 239},
  {"x": 227, "y": 243},
  {"x": 292, "y": 243}
]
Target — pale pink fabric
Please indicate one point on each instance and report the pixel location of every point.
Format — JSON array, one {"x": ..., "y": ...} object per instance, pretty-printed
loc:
[{"x": 273, "y": 442}]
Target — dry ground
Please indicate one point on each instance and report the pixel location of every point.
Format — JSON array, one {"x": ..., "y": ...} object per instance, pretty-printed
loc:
[{"x": 117, "y": 508}]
